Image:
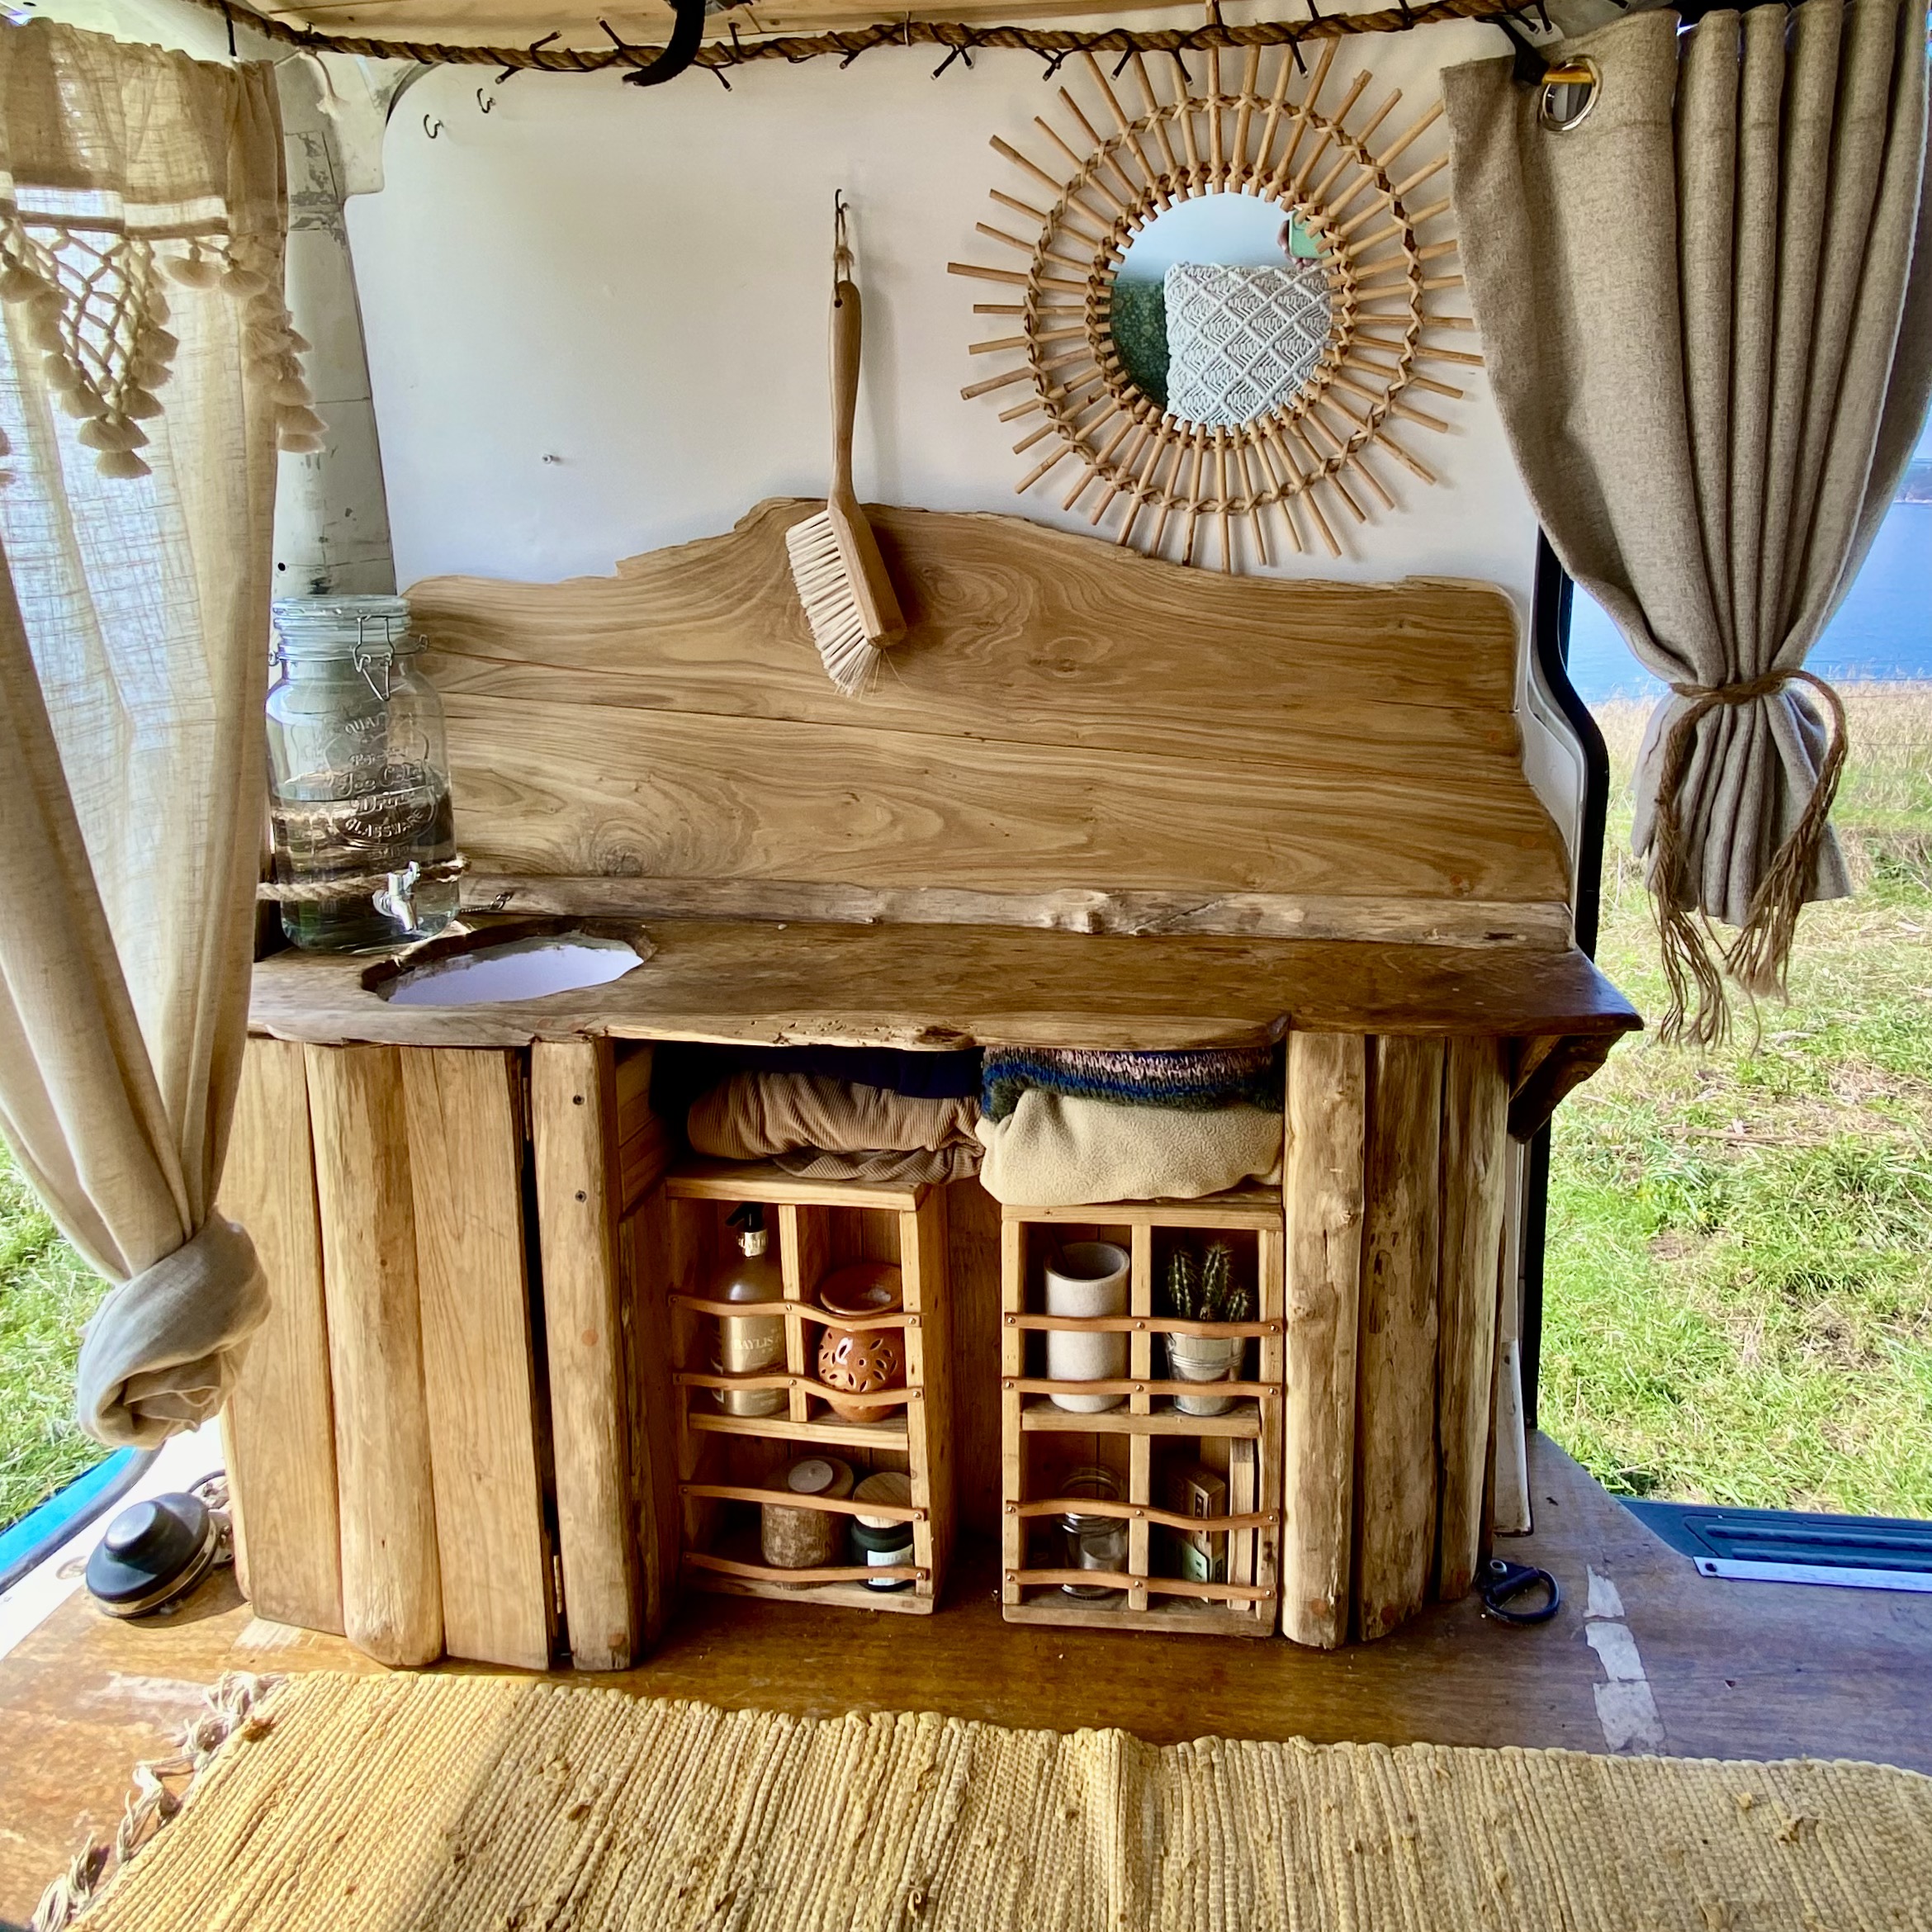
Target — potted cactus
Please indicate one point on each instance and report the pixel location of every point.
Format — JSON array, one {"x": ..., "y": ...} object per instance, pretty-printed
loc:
[{"x": 1205, "y": 1291}]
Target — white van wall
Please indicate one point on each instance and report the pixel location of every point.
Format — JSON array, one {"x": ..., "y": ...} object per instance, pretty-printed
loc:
[{"x": 596, "y": 315}]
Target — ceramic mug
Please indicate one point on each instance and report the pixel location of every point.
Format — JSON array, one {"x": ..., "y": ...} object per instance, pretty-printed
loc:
[{"x": 1086, "y": 1278}]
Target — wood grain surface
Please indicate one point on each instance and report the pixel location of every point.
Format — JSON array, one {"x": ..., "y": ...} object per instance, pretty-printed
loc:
[
  {"x": 1475, "y": 1146},
  {"x": 1322, "y": 1193},
  {"x": 1062, "y": 715},
  {"x": 391, "y": 1583},
  {"x": 573, "y": 1119},
  {"x": 1395, "y": 1402},
  {"x": 957, "y": 985},
  {"x": 279, "y": 1426},
  {"x": 467, "y": 1171}
]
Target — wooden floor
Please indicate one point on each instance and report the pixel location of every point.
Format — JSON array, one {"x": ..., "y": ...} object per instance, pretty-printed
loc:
[{"x": 1736, "y": 1670}]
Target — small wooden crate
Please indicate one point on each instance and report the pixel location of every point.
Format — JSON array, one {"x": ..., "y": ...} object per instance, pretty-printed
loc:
[
  {"x": 726, "y": 1462},
  {"x": 1040, "y": 1440}
]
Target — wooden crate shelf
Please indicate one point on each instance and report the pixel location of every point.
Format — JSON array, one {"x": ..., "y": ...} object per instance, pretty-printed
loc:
[
  {"x": 1138, "y": 1441},
  {"x": 726, "y": 1464}
]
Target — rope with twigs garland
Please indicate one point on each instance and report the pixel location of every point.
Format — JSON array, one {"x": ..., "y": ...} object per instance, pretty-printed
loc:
[
  {"x": 961, "y": 40},
  {"x": 1760, "y": 957}
]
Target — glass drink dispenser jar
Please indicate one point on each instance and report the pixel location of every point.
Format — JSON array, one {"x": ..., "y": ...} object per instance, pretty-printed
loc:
[{"x": 364, "y": 840}]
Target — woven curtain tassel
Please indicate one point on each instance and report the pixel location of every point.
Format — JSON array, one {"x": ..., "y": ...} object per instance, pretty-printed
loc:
[{"x": 1758, "y": 958}]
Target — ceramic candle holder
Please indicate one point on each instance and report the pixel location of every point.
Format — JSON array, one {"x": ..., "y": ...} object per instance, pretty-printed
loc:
[
  {"x": 862, "y": 1361},
  {"x": 1086, "y": 1278}
]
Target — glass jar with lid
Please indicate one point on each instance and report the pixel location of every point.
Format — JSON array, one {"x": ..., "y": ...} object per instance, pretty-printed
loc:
[
  {"x": 364, "y": 839},
  {"x": 1094, "y": 1541}
]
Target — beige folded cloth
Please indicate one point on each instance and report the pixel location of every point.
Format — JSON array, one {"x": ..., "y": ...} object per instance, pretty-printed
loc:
[
  {"x": 915, "y": 1166},
  {"x": 1054, "y": 1150},
  {"x": 752, "y": 1116}
]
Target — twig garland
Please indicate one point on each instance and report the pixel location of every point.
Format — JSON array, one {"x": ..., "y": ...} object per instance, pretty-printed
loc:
[
  {"x": 1155, "y": 471},
  {"x": 1052, "y": 45}
]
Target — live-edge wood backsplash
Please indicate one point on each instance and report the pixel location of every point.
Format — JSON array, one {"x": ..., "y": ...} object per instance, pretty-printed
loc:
[{"x": 1071, "y": 734}]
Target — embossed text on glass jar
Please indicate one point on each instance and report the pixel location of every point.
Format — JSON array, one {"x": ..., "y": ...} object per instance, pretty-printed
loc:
[{"x": 364, "y": 839}]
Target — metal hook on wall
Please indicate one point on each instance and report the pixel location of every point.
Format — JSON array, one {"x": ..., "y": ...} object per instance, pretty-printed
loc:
[
  {"x": 841, "y": 243},
  {"x": 483, "y": 106},
  {"x": 432, "y": 132}
]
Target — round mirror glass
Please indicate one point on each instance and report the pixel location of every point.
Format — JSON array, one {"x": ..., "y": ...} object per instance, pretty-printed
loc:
[{"x": 1220, "y": 309}]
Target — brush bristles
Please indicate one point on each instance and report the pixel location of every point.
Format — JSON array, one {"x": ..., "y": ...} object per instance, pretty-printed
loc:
[{"x": 825, "y": 588}]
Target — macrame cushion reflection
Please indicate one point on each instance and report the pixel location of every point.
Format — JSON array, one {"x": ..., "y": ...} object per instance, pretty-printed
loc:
[{"x": 1242, "y": 341}]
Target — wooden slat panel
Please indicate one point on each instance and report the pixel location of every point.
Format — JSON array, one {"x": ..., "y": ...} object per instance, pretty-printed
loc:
[
  {"x": 391, "y": 1586},
  {"x": 644, "y": 1148},
  {"x": 552, "y": 787},
  {"x": 651, "y": 1405},
  {"x": 572, "y": 1116},
  {"x": 1509, "y": 1501},
  {"x": 972, "y": 1303},
  {"x": 1476, "y": 1141},
  {"x": 279, "y": 1424},
  {"x": 956, "y": 986},
  {"x": 1396, "y": 1411},
  {"x": 1322, "y": 1190},
  {"x": 466, "y": 1158}
]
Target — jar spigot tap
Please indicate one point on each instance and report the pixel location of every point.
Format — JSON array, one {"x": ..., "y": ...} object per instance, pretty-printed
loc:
[{"x": 397, "y": 900}]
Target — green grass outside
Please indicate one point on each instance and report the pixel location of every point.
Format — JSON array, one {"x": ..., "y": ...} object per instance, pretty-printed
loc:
[
  {"x": 1738, "y": 1305},
  {"x": 47, "y": 1292}
]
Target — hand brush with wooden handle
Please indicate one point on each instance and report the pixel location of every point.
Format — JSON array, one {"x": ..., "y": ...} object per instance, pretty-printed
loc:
[{"x": 841, "y": 577}]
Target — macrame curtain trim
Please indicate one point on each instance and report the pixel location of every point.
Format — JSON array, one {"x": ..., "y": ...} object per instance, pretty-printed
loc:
[{"x": 96, "y": 220}]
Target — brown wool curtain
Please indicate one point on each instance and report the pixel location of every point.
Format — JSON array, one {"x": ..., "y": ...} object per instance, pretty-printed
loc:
[
  {"x": 1706, "y": 311},
  {"x": 146, "y": 370}
]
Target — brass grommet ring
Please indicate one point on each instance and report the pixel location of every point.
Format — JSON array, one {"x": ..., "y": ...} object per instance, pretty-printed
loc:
[{"x": 1568, "y": 92}]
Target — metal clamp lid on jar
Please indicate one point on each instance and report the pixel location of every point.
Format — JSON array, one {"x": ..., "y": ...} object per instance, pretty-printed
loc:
[{"x": 370, "y": 632}]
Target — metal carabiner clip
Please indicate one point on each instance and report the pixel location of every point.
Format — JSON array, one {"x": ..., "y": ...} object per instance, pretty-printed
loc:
[{"x": 1504, "y": 1583}]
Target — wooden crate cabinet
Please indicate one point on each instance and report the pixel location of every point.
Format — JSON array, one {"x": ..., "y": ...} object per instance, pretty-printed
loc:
[
  {"x": 1041, "y": 1442},
  {"x": 726, "y": 1465}
]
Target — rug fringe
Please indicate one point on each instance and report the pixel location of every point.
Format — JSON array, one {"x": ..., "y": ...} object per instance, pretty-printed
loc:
[{"x": 232, "y": 1712}]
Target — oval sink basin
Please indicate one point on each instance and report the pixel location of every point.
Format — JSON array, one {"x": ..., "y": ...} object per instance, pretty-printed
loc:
[{"x": 480, "y": 970}]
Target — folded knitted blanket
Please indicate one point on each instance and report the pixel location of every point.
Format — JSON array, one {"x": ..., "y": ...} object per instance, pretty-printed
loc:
[
  {"x": 754, "y": 1115},
  {"x": 1055, "y": 1150},
  {"x": 1221, "y": 1077}
]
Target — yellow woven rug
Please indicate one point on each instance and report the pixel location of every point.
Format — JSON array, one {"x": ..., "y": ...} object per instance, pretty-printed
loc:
[{"x": 449, "y": 1804}]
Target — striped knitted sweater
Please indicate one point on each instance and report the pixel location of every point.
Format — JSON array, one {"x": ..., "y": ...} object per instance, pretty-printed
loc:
[{"x": 1194, "y": 1082}]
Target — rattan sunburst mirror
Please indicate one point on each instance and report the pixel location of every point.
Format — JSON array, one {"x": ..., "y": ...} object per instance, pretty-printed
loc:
[{"x": 1301, "y": 378}]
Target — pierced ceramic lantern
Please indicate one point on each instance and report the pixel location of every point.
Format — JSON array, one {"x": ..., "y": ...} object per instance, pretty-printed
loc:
[{"x": 861, "y": 1362}]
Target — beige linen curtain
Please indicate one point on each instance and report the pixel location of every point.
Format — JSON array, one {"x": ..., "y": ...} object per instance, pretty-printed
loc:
[
  {"x": 146, "y": 369},
  {"x": 1706, "y": 310}
]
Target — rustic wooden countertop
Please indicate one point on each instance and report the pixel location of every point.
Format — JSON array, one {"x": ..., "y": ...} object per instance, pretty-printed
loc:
[{"x": 947, "y": 986}]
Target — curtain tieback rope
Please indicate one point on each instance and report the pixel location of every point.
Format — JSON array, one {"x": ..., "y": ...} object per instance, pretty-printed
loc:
[{"x": 1760, "y": 957}]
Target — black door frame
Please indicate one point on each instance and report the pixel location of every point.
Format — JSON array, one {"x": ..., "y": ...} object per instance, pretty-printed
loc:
[{"x": 1550, "y": 608}]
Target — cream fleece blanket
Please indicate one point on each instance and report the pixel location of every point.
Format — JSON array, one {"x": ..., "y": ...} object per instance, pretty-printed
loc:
[
  {"x": 751, "y": 1116},
  {"x": 1054, "y": 1150}
]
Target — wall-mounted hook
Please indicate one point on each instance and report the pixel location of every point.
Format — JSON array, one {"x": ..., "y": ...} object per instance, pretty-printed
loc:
[
  {"x": 432, "y": 132},
  {"x": 483, "y": 104}
]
